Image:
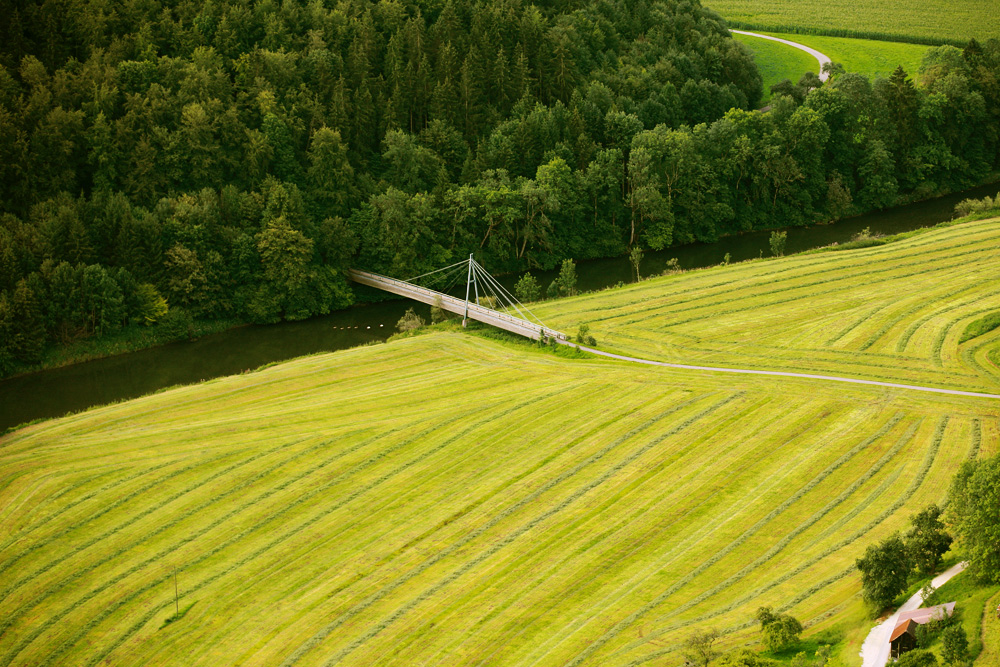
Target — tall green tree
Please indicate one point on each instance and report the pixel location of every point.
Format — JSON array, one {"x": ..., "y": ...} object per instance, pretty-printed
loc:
[
  {"x": 884, "y": 569},
  {"x": 972, "y": 512}
]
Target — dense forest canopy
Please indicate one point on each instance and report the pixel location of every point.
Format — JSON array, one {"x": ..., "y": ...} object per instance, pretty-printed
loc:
[{"x": 231, "y": 159}]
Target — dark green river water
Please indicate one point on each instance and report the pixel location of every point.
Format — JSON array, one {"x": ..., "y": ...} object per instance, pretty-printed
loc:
[{"x": 56, "y": 392}]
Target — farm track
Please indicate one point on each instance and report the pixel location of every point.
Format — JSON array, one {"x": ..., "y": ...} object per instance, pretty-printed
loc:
[
  {"x": 451, "y": 500},
  {"x": 887, "y": 313}
]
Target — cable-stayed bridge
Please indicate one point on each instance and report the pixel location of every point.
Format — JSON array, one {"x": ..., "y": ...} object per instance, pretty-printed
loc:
[{"x": 486, "y": 300}]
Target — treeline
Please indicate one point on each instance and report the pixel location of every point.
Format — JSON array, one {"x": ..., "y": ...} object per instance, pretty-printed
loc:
[
  {"x": 227, "y": 160},
  {"x": 235, "y": 158}
]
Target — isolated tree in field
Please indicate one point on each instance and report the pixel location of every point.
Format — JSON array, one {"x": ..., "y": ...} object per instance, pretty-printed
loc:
[
  {"x": 927, "y": 540},
  {"x": 567, "y": 278},
  {"x": 635, "y": 257},
  {"x": 778, "y": 243},
  {"x": 583, "y": 336},
  {"x": 954, "y": 644},
  {"x": 777, "y": 630},
  {"x": 698, "y": 648},
  {"x": 527, "y": 288},
  {"x": 884, "y": 568},
  {"x": 409, "y": 321},
  {"x": 972, "y": 512}
]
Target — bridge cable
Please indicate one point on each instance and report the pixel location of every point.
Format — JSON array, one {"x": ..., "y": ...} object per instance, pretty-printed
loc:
[{"x": 512, "y": 299}]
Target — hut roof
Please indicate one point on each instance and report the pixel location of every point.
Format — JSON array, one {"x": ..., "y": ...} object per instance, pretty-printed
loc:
[
  {"x": 906, "y": 627},
  {"x": 928, "y": 614}
]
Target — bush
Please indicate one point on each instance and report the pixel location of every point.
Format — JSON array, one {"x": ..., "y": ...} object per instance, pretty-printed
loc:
[
  {"x": 917, "y": 659},
  {"x": 567, "y": 278},
  {"x": 778, "y": 243},
  {"x": 673, "y": 266},
  {"x": 527, "y": 289},
  {"x": 777, "y": 630},
  {"x": 954, "y": 644},
  {"x": 745, "y": 658},
  {"x": 410, "y": 321},
  {"x": 178, "y": 324},
  {"x": 583, "y": 336},
  {"x": 971, "y": 206},
  {"x": 553, "y": 290}
]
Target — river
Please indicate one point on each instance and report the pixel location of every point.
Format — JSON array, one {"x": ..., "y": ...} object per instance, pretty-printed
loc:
[{"x": 55, "y": 392}]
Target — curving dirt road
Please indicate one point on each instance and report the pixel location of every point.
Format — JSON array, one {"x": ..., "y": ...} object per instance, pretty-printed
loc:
[
  {"x": 823, "y": 59},
  {"x": 811, "y": 376}
]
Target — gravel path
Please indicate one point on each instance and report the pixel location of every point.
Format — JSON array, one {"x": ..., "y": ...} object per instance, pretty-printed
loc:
[
  {"x": 875, "y": 650},
  {"x": 823, "y": 59},
  {"x": 811, "y": 376}
]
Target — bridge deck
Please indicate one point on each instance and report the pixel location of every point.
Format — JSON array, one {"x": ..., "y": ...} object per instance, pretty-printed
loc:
[{"x": 454, "y": 305}]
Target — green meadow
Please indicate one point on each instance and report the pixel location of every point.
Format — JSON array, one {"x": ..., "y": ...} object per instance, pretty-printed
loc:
[
  {"x": 872, "y": 58},
  {"x": 455, "y": 499},
  {"x": 926, "y": 21},
  {"x": 777, "y": 61},
  {"x": 895, "y": 312}
]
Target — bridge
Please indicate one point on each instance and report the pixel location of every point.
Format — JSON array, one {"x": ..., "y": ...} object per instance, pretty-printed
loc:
[{"x": 526, "y": 325}]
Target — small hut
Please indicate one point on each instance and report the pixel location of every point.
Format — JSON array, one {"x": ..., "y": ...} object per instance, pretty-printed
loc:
[{"x": 903, "y": 639}]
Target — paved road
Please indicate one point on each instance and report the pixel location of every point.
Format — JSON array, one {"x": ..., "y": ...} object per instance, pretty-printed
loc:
[
  {"x": 811, "y": 376},
  {"x": 823, "y": 59},
  {"x": 875, "y": 650}
]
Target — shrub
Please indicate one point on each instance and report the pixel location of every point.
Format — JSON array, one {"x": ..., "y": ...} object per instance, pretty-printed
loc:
[
  {"x": 954, "y": 644},
  {"x": 917, "y": 658},
  {"x": 527, "y": 288},
  {"x": 778, "y": 240},
  {"x": 567, "y": 278},
  {"x": 410, "y": 321},
  {"x": 745, "y": 658},
  {"x": 971, "y": 206},
  {"x": 777, "y": 630},
  {"x": 178, "y": 324}
]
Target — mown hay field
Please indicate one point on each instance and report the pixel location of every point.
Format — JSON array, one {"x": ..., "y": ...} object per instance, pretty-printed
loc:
[
  {"x": 894, "y": 312},
  {"x": 958, "y": 20},
  {"x": 446, "y": 499}
]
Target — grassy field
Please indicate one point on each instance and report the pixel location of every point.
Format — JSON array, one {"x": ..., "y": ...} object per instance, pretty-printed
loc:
[
  {"x": 446, "y": 499},
  {"x": 929, "y": 20},
  {"x": 864, "y": 56},
  {"x": 449, "y": 499},
  {"x": 894, "y": 312},
  {"x": 778, "y": 61}
]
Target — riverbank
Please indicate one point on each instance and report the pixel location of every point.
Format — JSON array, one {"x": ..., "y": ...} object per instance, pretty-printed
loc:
[{"x": 139, "y": 363}]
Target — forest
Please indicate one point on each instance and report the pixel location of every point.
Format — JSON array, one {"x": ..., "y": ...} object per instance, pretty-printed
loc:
[{"x": 218, "y": 159}]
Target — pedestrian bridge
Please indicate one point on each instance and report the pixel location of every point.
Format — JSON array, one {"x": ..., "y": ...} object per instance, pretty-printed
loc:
[{"x": 523, "y": 326}]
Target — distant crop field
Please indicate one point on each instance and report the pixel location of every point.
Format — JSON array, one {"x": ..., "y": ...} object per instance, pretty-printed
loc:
[
  {"x": 450, "y": 500},
  {"x": 927, "y": 20},
  {"x": 894, "y": 312}
]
